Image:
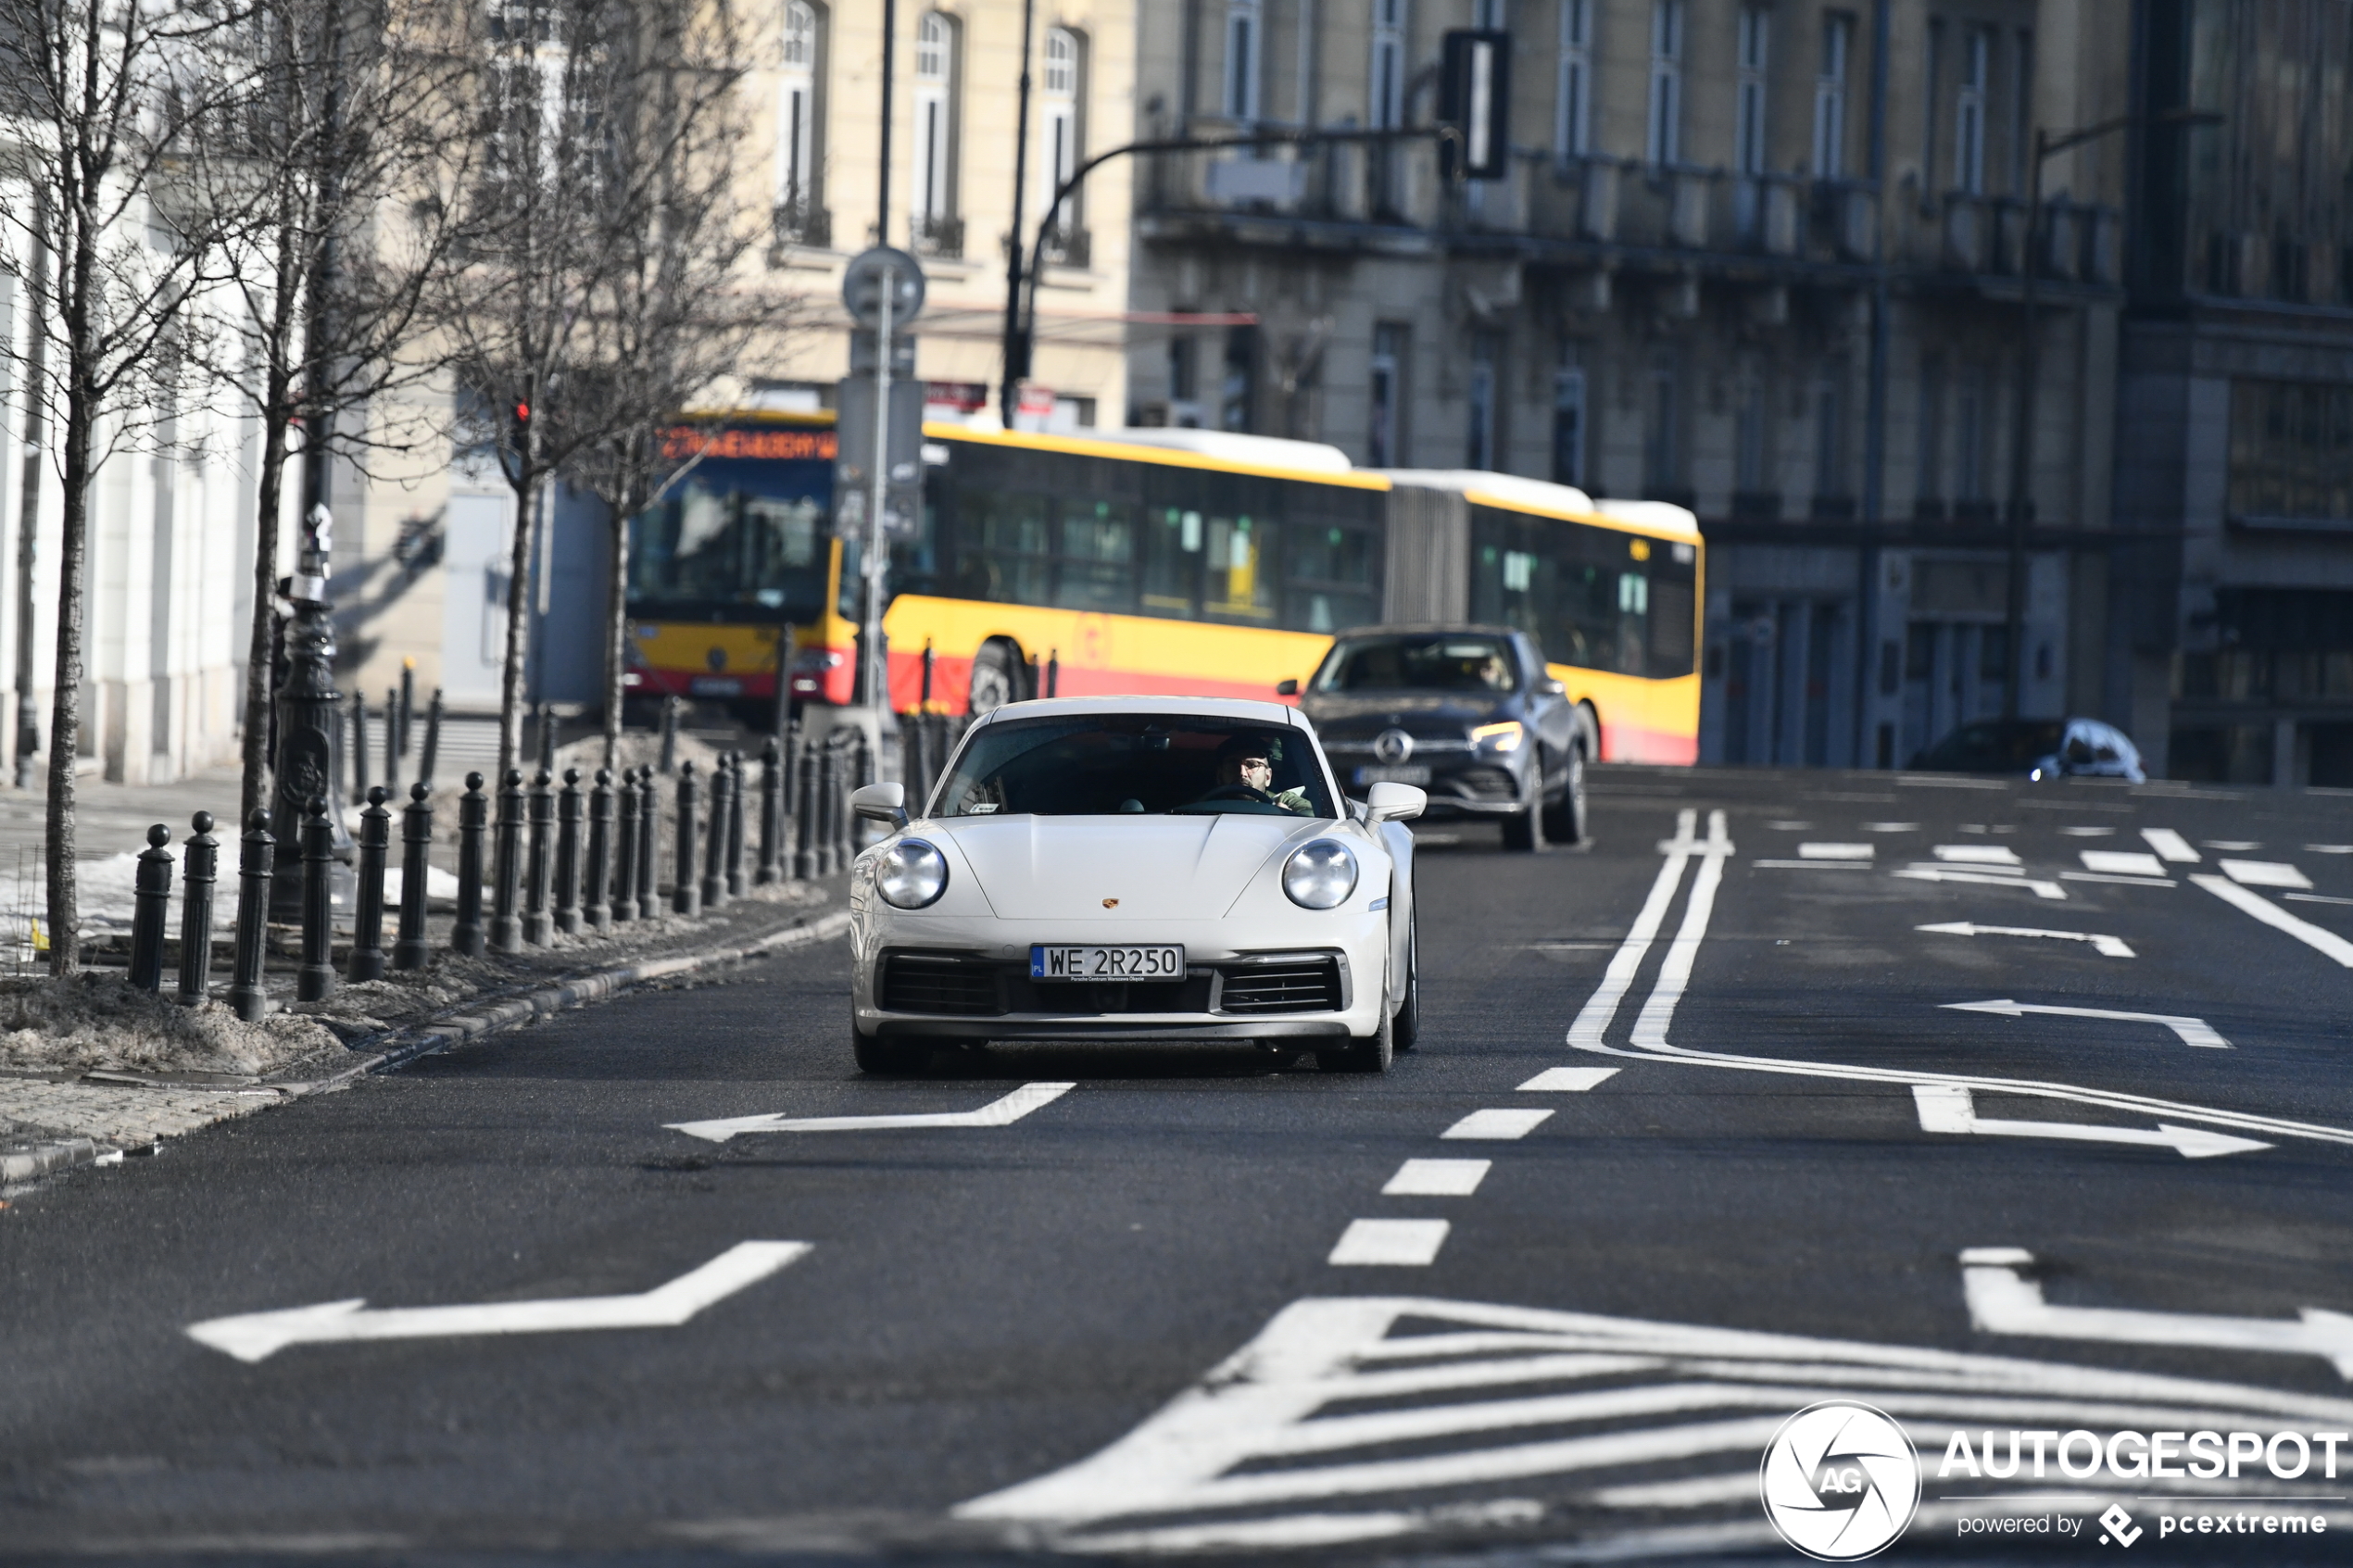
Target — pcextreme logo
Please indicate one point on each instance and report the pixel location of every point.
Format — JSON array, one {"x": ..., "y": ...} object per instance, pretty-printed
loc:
[{"x": 1840, "y": 1481}]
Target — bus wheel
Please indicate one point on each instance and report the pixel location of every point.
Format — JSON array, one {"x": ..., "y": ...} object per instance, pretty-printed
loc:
[
  {"x": 1564, "y": 815},
  {"x": 995, "y": 680}
]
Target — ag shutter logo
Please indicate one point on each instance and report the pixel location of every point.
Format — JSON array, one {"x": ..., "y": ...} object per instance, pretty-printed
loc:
[{"x": 1840, "y": 1481}]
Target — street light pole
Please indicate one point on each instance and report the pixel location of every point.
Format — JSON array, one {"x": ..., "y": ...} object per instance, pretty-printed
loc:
[{"x": 1009, "y": 396}]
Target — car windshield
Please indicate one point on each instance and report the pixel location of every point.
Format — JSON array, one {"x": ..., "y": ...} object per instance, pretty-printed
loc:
[
  {"x": 1431, "y": 663},
  {"x": 1126, "y": 764}
]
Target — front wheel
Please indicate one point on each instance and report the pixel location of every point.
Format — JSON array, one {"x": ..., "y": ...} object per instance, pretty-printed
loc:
[
  {"x": 1523, "y": 830},
  {"x": 1363, "y": 1056},
  {"x": 1565, "y": 816},
  {"x": 1408, "y": 1025}
]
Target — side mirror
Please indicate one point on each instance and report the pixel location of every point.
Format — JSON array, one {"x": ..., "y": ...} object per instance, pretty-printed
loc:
[
  {"x": 881, "y": 803},
  {"x": 1394, "y": 803},
  {"x": 1287, "y": 688}
]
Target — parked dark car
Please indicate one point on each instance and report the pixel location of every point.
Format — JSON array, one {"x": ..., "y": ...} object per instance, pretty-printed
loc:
[
  {"x": 1468, "y": 713},
  {"x": 2039, "y": 748}
]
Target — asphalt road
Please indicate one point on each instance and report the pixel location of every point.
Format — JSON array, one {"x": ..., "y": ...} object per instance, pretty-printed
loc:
[{"x": 1115, "y": 1325}]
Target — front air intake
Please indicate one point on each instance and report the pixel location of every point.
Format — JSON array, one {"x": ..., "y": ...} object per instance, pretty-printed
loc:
[
  {"x": 957, "y": 987},
  {"x": 1302, "y": 985}
]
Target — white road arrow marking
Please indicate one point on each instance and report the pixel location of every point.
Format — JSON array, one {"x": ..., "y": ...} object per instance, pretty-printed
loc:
[
  {"x": 1935, "y": 873},
  {"x": 1949, "y": 1108},
  {"x": 2192, "y": 1031},
  {"x": 2114, "y": 946},
  {"x": 2316, "y": 937},
  {"x": 2003, "y": 1300},
  {"x": 256, "y": 1336},
  {"x": 1002, "y": 1112}
]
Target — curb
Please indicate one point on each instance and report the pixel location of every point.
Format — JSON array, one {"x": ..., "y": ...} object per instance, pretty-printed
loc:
[{"x": 396, "y": 1048}]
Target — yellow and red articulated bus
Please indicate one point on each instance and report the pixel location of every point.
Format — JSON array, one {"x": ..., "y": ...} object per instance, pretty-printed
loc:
[{"x": 1150, "y": 561}]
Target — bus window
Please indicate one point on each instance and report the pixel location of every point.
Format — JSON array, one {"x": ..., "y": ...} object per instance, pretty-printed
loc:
[
  {"x": 1001, "y": 551},
  {"x": 1241, "y": 551},
  {"x": 1171, "y": 552},
  {"x": 1096, "y": 565},
  {"x": 1671, "y": 628},
  {"x": 1331, "y": 584}
]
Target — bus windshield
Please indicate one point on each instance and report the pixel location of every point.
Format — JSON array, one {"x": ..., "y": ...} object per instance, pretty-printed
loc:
[
  {"x": 743, "y": 539},
  {"x": 1116, "y": 764}
]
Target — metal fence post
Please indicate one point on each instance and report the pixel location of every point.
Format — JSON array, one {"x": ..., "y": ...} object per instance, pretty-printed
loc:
[
  {"x": 567, "y": 821},
  {"x": 395, "y": 741},
  {"x": 736, "y": 793},
  {"x": 685, "y": 896},
  {"x": 771, "y": 827},
  {"x": 505, "y": 925},
  {"x": 473, "y": 811},
  {"x": 828, "y": 781},
  {"x": 358, "y": 752},
  {"x": 714, "y": 849},
  {"x": 367, "y": 961},
  {"x": 536, "y": 925},
  {"x": 199, "y": 868},
  {"x": 432, "y": 737},
  {"x": 668, "y": 733},
  {"x": 805, "y": 810},
  {"x": 596, "y": 877},
  {"x": 412, "y": 950},
  {"x": 316, "y": 979},
  {"x": 649, "y": 844},
  {"x": 255, "y": 854},
  {"x": 152, "y": 895},
  {"x": 624, "y": 858}
]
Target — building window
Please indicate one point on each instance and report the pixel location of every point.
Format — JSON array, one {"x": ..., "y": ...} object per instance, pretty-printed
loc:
[
  {"x": 1063, "y": 97},
  {"x": 1242, "y": 43},
  {"x": 1662, "y": 454},
  {"x": 1479, "y": 447},
  {"x": 1491, "y": 16},
  {"x": 1969, "y": 113},
  {"x": 1573, "y": 104},
  {"x": 2291, "y": 449},
  {"x": 1748, "y": 101},
  {"x": 1749, "y": 455},
  {"x": 1830, "y": 441},
  {"x": 935, "y": 117},
  {"x": 796, "y": 118},
  {"x": 1568, "y": 425},
  {"x": 1930, "y": 485},
  {"x": 1664, "y": 142},
  {"x": 1970, "y": 419},
  {"x": 1384, "y": 437},
  {"x": 1829, "y": 98},
  {"x": 1385, "y": 89},
  {"x": 1238, "y": 397},
  {"x": 2021, "y": 107}
]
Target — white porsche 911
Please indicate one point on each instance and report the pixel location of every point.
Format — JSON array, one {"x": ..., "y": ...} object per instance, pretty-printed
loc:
[{"x": 1123, "y": 869}]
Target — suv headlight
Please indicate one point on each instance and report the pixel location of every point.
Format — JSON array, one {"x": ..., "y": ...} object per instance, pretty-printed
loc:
[
  {"x": 1499, "y": 738},
  {"x": 910, "y": 874},
  {"x": 1320, "y": 875}
]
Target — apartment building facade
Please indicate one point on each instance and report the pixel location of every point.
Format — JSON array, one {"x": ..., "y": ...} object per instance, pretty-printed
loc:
[{"x": 1762, "y": 258}]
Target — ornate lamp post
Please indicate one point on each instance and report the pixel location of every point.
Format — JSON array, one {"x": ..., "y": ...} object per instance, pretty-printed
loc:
[{"x": 308, "y": 706}]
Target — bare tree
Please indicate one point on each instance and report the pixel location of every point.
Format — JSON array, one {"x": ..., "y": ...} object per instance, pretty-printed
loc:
[
  {"x": 103, "y": 94},
  {"x": 357, "y": 129},
  {"x": 603, "y": 111}
]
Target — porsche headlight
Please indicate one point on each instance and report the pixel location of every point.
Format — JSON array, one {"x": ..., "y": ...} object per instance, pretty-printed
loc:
[
  {"x": 1320, "y": 875},
  {"x": 910, "y": 874},
  {"x": 1499, "y": 738}
]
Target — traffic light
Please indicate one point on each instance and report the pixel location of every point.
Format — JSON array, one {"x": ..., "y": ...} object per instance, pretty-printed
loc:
[{"x": 1475, "y": 97}]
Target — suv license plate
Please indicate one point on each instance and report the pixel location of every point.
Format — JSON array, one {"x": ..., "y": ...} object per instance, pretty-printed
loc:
[
  {"x": 1413, "y": 774},
  {"x": 1106, "y": 964}
]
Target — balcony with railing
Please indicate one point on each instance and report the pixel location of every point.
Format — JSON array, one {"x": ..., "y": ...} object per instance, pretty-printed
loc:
[
  {"x": 940, "y": 234},
  {"x": 800, "y": 222},
  {"x": 1067, "y": 245}
]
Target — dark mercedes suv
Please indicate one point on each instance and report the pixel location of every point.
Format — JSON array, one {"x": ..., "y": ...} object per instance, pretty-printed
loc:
[{"x": 1468, "y": 713}]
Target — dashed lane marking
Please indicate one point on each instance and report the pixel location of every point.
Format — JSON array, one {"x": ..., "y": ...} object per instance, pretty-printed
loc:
[
  {"x": 2169, "y": 844},
  {"x": 2329, "y": 849},
  {"x": 2121, "y": 862},
  {"x": 2315, "y": 899},
  {"x": 2114, "y": 881},
  {"x": 2087, "y": 833},
  {"x": 1405, "y": 1244},
  {"x": 2192, "y": 1031},
  {"x": 2245, "y": 899},
  {"x": 1836, "y": 851},
  {"x": 2265, "y": 873},
  {"x": 1891, "y": 827},
  {"x": 1002, "y": 1112},
  {"x": 1500, "y": 1125},
  {"x": 1950, "y": 1107},
  {"x": 1438, "y": 1178},
  {"x": 1812, "y": 865},
  {"x": 2231, "y": 846},
  {"x": 2112, "y": 947},
  {"x": 1566, "y": 1080},
  {"x": 1977, "y": 854}
]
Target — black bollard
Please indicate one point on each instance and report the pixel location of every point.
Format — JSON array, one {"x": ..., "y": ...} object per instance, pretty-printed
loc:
[
  {"x": 649, "y": 844},
  {"x": 367, "y": 961},
  {"x": 714, "y": 849},
  {"x": 668, "y": 735},
  {"x": 568, "y": 820},
  {"x": 1053, "y": 673},
  {"x": 474, "y": 815},
  {"x": 152, "y": 891},
  {"x": 772, "y": 803},
  {"x": 432, "y": 737},
  {"x": 199, "y": 868},
  {"x": 922, "y": 704},
  {"x": 547, "y": 723},
  {"x": 828, "y": 778},
  {"x": 316, "y": 979},
  {"x": 536, "y": 925},
  {"x": 255, "y": 853},
  {"x": 416, "y": 848},
  {"x": 395, "y": 743},
  {"x": 685, "y": 896},
  {"x": 505, "y": 925},
  {"x": 408, "y": 702},
  {"x": 805, "y": 812},
  {"x": 625, "y": 855},
  {"x": 359, "y": 752},
  {"x": 596, "y": 877},
  {"x": 736, "y": 793}
]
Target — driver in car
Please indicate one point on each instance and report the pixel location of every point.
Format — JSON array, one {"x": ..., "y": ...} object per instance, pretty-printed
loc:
[{"x": 1245, "y": 771}]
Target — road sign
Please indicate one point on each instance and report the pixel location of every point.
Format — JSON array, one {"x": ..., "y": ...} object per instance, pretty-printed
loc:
[
  {"x": 253, "y": 1336},
  {"x": 869, "y": 272},
  {"x": 1475, "y": 97}
]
